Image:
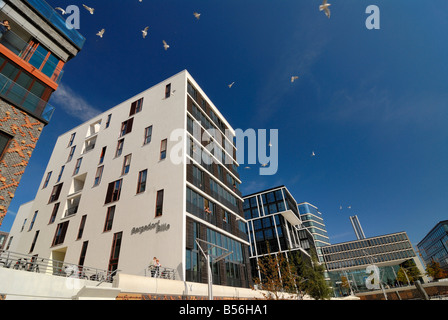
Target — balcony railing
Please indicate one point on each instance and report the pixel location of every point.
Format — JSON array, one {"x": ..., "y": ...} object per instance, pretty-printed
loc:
[
  {"x": 24, "y": 50},
  {"x": 58, "y": 21},
  {"x": 25, "y": 100}
]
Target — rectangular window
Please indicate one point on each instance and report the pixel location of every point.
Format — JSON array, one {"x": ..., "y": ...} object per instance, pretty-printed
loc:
[
  {"x": 82, "y": 256},
  {"x": 119, "y": 147},
  {"x": 115, "y": 252},
  {"x": 108, "y": 120},
  {"x": 159, "y": 203},
  {"x": 126, "y": 164},
  {"x": 47, "y": 179},
  {"x": 136, "y": 107},
  {"x": 163, "y": 149},
  {"x": 72, "y": 151},
  {"x": 126, "y": 127},
  {"x": 55, "y": 193},
  {"x": 54, "y": 213},
  {"x": 81, "y": 227},
  {"x": 60, "y": 174},
  {"x": 59, "y": 235},
  {"x": 33, "y": 220},
  {"x": 103, "y": 154},
  {"x": 109, "y": 218},
  {"x": 168, "y": 90},
  {"x": 113, "y": 191},
  {"x": 141, "y": 185},
  {"x": 148, "y": 134},
  {"x": 77, "y": 166},
  {"x": 34, "y": 241},
  {"x": 98, "y": 175},
  {"x": 72, "y": 138},
  {"x": 5, "y": 139}
]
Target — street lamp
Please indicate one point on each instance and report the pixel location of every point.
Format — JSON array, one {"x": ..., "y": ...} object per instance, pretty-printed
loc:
[{"x": 207, "y": 256}]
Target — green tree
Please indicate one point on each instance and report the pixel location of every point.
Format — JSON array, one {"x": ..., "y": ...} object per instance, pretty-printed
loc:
[
  {"x": 408, "y": 270},
  {"x": 435, "y": 271}
]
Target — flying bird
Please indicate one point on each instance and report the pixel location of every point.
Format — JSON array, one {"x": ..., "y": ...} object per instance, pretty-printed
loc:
[
  {"x": 230, "y": 85},
  {"x": 91, "y": 10},
  {"x": 294, "y": 78},
  {"x": 60, "y": 9},
  {"x": 145, "y": 32},
  {"x": 313, "y": 154},
  {"x": 324, "y": 7},
  {"x": 197, "y": 15},
  {"x": 165, "y": 45},
  {"x": 101, "y": 33}
]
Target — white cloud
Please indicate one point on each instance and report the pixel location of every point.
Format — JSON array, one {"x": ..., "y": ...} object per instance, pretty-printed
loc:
[{"x": 73, "y": 104}]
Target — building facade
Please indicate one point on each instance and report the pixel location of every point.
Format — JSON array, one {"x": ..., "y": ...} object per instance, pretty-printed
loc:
[
  {"x": 274, "y": 226},
  {"x": 33, "y": 50},
  {"x": 351, "y": 259},
  {"x": 145, "y": 179},
  {"x": 434, "y": 246}
]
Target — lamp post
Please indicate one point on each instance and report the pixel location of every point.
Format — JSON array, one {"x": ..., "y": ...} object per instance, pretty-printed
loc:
[{"x": 207, "y": 255}]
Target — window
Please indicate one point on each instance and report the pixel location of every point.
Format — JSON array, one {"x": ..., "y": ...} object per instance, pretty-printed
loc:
[
  {"x": 119, "y": 148},
  {"x": 81, "y": 227},
  {"x": 59, "y": 235},
  {"x": 126, "y": 127},
  {"x": 136, "y": 107},
  {"x": 60, "y": 174},
  {"x": 168, "y": 90},
  {"x": 192, "y": 91},
  {"x": 47, "y": 179},
  {"x": 148, "y": 134},
  {"x": 33, "y": 220},
  {"x": 163, "y": 149},
  {"x": 34, "y": 241},
  {"x": 141, "y": 185},
  {"x": 108, "y": 120},
  {"x": 23, "y": 225},
  {"x": 72, "y": 151},
  {"x": 54, "y": 212},
  {"x": 103, "y": 153},
  {"x": 72, "y": 138},
  {"x": 77, "y": 166},
  {"x": 159, "y": 203},
  {"x": 109, "y": 218},
  {"x": 4, "y": 142},
  {"x": 55, "y": 193},
  {"x": 98, "y": 175},
  {"x": 113, "y": 191},
  {"x": 115, "y": 252},
  {"x": 126, "y": 164},
  {"x": 82, "y": 257}
]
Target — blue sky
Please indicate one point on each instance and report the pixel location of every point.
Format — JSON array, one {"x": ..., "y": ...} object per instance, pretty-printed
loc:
[{"x": 372, "y": 104}]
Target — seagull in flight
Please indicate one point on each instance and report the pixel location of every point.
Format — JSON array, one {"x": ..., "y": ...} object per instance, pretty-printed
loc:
[
  {"x": 230, "y": 85},
  {"x": 294, "y": 78},
  {"x": 60, "y": 9},
  {"x": 197, "y": 15},
  {"x": 101, "y": 33},
  {"x": 145, "y": 32},
  {"x": 165, "y": 45},
  {"x": 91, "y": 10},
  {"x": 313, "y": 154},
  {"x": 324, "y": 7}
]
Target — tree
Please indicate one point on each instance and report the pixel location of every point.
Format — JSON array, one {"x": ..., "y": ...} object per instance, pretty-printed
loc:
[
  {"x": 435, "y": 271},
  {"x": 408, "y": 271}
]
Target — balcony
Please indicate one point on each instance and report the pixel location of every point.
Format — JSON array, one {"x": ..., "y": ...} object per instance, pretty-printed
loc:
[
  {"x": 38, "y": 57},
  {"x": 25, "y": 100}
]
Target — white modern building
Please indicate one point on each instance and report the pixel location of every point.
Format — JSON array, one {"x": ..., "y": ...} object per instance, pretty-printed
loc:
[{"x": 119, "y": 190}]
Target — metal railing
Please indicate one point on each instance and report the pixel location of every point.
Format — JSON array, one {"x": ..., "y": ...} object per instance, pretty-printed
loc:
[
  {"x": 30, "y": 263},
  {"x": 160, "y": 272}
]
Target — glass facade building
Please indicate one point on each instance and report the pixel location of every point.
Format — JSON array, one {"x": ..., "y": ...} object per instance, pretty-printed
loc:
[
  {"x": 434, "y": 245},
  {"x": 274, "y": 224}
]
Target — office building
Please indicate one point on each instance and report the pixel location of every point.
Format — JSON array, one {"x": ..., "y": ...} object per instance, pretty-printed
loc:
[
  {"x": 33, "y": 51},
  {"x": 350, "y": 259},
  {"x": 274, "y": 225},
  {"x": 312, "y": 220},
  {"x": 434, "y": 246},
  {"x": 154, "y": 176}
]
